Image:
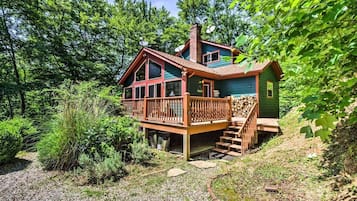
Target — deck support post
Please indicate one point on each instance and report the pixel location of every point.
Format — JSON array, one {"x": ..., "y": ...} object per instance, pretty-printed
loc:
[
  {"x": 146, "y": 132},
  {"x": 186, "y": 146},
  {"x": 145, "y": 108}
]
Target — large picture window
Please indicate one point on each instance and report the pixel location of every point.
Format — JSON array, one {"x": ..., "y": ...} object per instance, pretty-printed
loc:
[
  {"x": 128, "y": 93},
  {"x": 155, "y": 90},
  {"x": 140, "y": 92},
  {"x": 173, "y": 88},
  {"x": 140, "y": 74},
  {"x": 154, "y": 70}
]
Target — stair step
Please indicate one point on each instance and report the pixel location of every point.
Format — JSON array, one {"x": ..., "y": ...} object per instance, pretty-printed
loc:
[
  {"x": 236, "y": 139},
  {"x": 225, "y": 138},
  {"x": 235, "y": 127},
  {"x": 230, "y": 133},
  {"x": 235, "y": 146},
  {"x": 224, "y": 144},
  {"x": 224, "y": 151},
  {"x": 233, "y": 153}
]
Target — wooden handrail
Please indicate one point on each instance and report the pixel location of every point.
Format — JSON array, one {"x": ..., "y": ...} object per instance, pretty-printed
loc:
[{"x": 249, "y": 126}]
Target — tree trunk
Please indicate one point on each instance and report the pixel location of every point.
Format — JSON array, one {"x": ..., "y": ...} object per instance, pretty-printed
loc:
[
  {"x": 11, "y": 110},
  {"x": 14, "y": 65}
]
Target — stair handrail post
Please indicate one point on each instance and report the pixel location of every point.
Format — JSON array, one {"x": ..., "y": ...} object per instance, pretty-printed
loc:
[
  {"x": 186, "y": 110},
  {"x": 229, "y": 98}
]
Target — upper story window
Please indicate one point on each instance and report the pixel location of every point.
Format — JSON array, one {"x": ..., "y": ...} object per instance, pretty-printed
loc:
[
  {"x": 270, "y": 87},
  {"x": 210, "y": 57},
  {"x": 154, "y": 70},
  {"x": 140, "y": 74}
]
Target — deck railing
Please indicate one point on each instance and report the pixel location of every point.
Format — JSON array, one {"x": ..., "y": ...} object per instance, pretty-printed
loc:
[
  {"x": 183, "y": 110},
  {"x": 249, "y": 127},
  {"x": 205, "y": 109}
]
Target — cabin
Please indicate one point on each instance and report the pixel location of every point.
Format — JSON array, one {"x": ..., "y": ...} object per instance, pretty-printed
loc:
[{"x": 193, "y": 93}]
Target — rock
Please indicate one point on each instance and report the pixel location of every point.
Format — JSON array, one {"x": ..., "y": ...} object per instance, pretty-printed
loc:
[
  {"x": 203, "y": 164},
  {"x": 175, "y": 172}
]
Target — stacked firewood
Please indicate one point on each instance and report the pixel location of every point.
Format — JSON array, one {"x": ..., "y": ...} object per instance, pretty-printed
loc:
[{"x": 242, "y": 105}]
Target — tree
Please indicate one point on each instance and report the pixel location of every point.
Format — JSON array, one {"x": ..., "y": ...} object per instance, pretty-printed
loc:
[
  {"x": 319, "y": 41},
  {"x": 193, "y": 11}
]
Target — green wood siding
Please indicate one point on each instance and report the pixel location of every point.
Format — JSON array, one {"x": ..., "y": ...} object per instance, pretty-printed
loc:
[
  {"x": 222, "y": 52},
  {"x": 186, "y": 54},
  {"x": 171, "y": 72},
  {"x": 268, "y": 107},
  {"x": 236, "y": 87}
]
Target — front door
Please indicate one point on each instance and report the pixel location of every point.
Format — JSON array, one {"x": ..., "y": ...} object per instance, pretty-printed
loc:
[{"x": 207, "y": 88}]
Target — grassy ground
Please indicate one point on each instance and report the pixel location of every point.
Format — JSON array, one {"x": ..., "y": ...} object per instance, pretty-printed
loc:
[{"x": 282, "y": 164}]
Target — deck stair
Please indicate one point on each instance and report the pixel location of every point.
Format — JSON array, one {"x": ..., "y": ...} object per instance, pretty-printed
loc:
[{"x": 239, "y": 137}]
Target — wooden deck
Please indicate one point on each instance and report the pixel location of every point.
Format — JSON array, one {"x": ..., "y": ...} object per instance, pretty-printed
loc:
[
  {"x": 189, "y": 115},
  {"x": 263, "y": 124}
]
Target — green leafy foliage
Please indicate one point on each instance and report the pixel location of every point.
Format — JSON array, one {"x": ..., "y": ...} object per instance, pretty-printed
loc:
[
  {"x": 12, "y": 133},
  {"x": 314, "y": 41},
  {"x": 88, "y": 134}
]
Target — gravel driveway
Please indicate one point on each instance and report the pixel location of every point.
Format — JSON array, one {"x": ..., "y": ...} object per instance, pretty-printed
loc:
[{"x": 25, "y": 180}]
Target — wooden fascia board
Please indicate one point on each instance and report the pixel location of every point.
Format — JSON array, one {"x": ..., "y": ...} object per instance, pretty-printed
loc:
[{"x": 217, "y": 45}]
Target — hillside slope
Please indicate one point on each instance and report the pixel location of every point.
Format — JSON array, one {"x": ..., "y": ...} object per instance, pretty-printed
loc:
[{"x": 283, "y": 164}]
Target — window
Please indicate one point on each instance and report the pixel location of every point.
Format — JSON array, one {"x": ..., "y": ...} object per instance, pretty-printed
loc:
[
  {"x": 140, "y": 74},
  {"x": 140, "y": 92},
  {"x": 211, "y": 57},
  {"x": 154, "y": 70},
  {"x": 128, "y": 93},
  {"x": 155, "y": 90},
  {"x": 173, "y": 88},
  {"x": 270, "y": 87}
]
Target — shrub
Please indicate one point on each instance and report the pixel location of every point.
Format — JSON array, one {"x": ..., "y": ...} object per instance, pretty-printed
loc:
[
  {"x": 10, "y": 144},
  {"x": 99, "y": 167},
  {"x": 12, "y": 133},
  {"x": 86, "y": 134}
]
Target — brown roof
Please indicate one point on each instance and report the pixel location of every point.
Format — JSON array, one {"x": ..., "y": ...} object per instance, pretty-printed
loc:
[{"x": 226, "y": 72}]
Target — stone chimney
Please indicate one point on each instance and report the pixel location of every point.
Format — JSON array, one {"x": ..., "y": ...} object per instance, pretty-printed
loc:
[{"x": 195, "y": 44}]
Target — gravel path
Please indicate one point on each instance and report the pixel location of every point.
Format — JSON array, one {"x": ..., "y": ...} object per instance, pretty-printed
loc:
[{"x": 25, "y": 180}]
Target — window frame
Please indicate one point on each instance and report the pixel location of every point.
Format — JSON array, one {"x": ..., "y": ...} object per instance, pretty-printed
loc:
[
  {"x": 209, "y": 57},
  {"x": 155, "y": 90},
  {"x": 125, "y": 88},
  {"x": 272, "y": 89},
  {"x": 140, "y": 91},
  {"x": 173, "y": 80},
  {"x": 143, "y": 64},
  {"x": 161, "y": 69}
]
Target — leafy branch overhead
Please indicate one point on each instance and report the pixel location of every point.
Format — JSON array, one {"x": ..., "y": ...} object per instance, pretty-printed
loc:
[{"x": 315, "y": 41}]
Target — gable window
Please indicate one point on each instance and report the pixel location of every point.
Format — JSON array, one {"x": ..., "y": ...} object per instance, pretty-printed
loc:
[
  {"x": 270, "y": 87},
  {"x": 210, "y": 57},
  {"x": 154, "y": 70},
  {"x": 173, "y": 88},
  {"x": 140, "y": 92},
  {"x": 128, "y": 93},
  {"x": 155, "y": 90},
  {"x": 140, "y": 74}
]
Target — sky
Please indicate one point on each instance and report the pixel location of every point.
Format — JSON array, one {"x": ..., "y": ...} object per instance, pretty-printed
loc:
[{"x": 168, "y": 4}]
